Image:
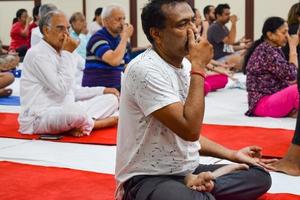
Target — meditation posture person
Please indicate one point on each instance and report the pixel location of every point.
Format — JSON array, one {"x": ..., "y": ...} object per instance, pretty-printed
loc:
[
  {"x": 96, "y": 25},
  {"x": 161, "y": 113},
  {"x": 271, "y": 78},
  {"x": 35, "y": 22},
  {"x": 290, "y": 164},
  {"x": 218, "y": 73},
  {"x": 106, "y": 50},
  {"x": 79, "y": 32},
  {"x": 19, "y": 33},
  {"x": 36, "y": 35},
  {"x": 209, "y": 14},
  {"x": 293, "y": 23},
  {"x": 200, "y": 26},
  {"x": 48, "y": 89},
  {"x": 223, "y": 40}
]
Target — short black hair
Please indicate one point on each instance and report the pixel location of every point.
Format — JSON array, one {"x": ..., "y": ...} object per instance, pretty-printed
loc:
[
  {"x": 19, "y": 14},
  {"x": 220, "y": 9},
  {"x": 35, "y": 12},
  {"x": 98, "y": 12},
  {"x": 153, "y": 16},
  {"x": 207, "y": 9}
]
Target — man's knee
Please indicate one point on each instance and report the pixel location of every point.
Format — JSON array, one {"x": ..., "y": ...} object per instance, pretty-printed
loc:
[
  {"x": 6, "y": 79},
  {"x": 113, "y": 100},
  {"x": 261, "y": 178}
]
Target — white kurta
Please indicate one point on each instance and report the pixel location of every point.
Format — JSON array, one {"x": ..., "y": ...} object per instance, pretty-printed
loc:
[{"x": 47, "y": 92}]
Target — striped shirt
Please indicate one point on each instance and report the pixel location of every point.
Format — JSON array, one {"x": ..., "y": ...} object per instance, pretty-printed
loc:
[{"x": 98, "y": 45}]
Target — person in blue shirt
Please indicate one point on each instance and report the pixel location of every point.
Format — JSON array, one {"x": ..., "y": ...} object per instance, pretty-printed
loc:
[
  {"x": 79, "y": 32},
  {"x": 106, "y": 50}
]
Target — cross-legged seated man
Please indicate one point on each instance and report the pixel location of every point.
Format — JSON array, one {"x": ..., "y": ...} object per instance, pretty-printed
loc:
[
  {"x": 47, "y": 88},
  {"x": 107, "y": 53},
  {"x": 161, "y": 112},
  {"x": 226, "y": 49}
]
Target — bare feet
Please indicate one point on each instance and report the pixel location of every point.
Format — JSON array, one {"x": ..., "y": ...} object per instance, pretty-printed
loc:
[
  {"x": 107, "y": 122},
  {"x": 5, "y": 92},
  {"x": 290, "y": 164},
  {"x": 75, "y": 132},
  {"x": 202, "y": 182}
]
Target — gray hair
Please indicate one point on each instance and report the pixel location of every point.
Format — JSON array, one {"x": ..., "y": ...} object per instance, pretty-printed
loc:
[
  {"x": 45, "y": 8},
  {"x": 107, "y": 10},
  {"x": 46, "y": 20}
]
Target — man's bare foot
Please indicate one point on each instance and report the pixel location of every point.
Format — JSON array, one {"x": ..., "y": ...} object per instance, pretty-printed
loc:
[
  {"x": 286, "y": 166},
  {"x": 103, "y": 123},
  {"x": 5, "y": 92},
  {"x": 75, "y": 132},
  {"x": 290, "y": 164}
]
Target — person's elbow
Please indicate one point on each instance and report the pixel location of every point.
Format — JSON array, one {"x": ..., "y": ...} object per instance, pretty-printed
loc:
[
  {"x": 115, "y": 62},
  {"x": 191, "y": 134}
]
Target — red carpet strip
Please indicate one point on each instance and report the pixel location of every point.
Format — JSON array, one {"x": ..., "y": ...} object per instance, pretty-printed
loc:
[
  {"x": 24, "y": 182},
  {"x": 279, "y": 196},
  {"x": 30, "y": 182},
  {"x": 9, "y": 129}
]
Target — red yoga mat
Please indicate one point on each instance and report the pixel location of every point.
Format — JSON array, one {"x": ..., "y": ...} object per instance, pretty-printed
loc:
[
  {"x": 279, "y": 196},
  {"x": 9, "y": 129},
  {"x": 24, "y": 182},
  {"x": 275, "y": 142}
]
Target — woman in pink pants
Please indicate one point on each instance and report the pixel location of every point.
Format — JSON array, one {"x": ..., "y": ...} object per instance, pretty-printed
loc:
[{"x": 271, "y": 77}]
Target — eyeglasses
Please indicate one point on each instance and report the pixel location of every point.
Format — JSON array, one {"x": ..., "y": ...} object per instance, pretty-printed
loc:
[{"x": 60, "y": 28}]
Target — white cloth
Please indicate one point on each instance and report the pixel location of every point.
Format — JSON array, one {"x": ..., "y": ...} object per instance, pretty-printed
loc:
[
  {"x": 47, "y": 93},
  {"x": 81, "y": 92},
  {"x": 36, "y": 36},
  {"x": 145, "y": 145},
  {"x": 94, "y": 27}
]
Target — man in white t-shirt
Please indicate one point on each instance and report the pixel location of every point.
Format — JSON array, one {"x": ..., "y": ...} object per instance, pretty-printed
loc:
[{"x": 161, "y": 112}]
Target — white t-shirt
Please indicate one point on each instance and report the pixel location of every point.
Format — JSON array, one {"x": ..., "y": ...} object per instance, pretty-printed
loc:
[
  {"x": 94, "y": 27},
  {"x": 145, "y": 146},
  {"x": 36, "y": 36}
]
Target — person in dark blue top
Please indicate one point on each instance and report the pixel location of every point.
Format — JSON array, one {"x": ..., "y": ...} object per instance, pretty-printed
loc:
[{"x": 106, "y": 50}]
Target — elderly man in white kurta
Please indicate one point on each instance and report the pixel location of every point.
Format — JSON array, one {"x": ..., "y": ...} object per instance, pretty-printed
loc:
[{"x": 48, "y": 91}]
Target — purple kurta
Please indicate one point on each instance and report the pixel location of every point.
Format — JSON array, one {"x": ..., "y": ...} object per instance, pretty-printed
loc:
[{"x": 267, "y": 73}]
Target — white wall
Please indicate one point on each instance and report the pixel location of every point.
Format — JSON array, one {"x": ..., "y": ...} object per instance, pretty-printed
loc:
[
  {"x": 92, "y": 5},
  {"x": 67, "y": 6},
  {"x": 237, "y": 8},
  {"x": 142, "y": 39},
  {"x": 8, "y": 11},
  {"x": 267, "y": 8}
]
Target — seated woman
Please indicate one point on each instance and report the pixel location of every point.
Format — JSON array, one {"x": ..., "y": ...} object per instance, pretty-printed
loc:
[
  {"x": 290, "y": 163},
  {"x": 271, "y": 79},
  {"x": 19, "y": 33}
]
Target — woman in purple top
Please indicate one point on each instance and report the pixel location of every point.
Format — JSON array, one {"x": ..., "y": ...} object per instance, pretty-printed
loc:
[{"x": 271, "y": 79}]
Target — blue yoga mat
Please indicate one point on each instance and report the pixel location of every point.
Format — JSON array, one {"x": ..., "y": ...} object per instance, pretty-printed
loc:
[{"x": 10, "y": 101}]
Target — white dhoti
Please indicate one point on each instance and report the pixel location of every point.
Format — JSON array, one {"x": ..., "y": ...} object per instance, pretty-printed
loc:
[{"x": 79, "y": 115}]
